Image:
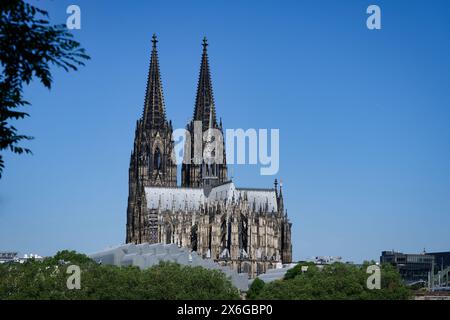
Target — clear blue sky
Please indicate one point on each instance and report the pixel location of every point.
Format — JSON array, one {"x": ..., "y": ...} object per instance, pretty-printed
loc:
[{"x": 363, "y": 118}]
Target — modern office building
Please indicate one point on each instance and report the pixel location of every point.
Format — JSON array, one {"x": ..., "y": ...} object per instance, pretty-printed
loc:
[
  {"x": 412, "y": 267},
  {"x": 8, "y": 257},
  {"x": 13, "y": 257},
  {"x": 441, "y": 259}
]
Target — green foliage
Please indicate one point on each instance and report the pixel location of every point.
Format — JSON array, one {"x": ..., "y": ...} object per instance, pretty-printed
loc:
[
  {"x": 255, "y": 289},
  {"x": 335, "y": 282},
  {"x": 29, "y": 45},
  {"x": 47, "y": 280},
  {"x": 293, "y": 272},
  {"x": 70, "y": 257}
]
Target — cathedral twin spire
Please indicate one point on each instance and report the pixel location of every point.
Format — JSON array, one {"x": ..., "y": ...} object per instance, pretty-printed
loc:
[
  {"x": 154, "y": 120},
  {"x": 204, "y": 102},
  {"x": 154, "y": 111}
]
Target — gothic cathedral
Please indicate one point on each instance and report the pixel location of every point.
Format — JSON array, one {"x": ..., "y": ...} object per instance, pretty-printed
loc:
[{"x": 245, "y": 228}]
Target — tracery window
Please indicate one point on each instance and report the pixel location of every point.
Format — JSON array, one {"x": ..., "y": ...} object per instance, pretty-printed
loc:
[{"x": 157, "y": 159}]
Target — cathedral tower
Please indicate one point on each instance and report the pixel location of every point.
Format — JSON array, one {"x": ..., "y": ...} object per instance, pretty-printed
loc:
[
  {"x": 151, "y": 162},
  {"x": 201, "y": 173}
]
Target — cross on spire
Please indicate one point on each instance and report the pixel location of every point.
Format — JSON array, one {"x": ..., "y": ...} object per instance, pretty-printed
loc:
[
  {"x": 154, "y": 40},
  {"x": 205, "y": 43}
]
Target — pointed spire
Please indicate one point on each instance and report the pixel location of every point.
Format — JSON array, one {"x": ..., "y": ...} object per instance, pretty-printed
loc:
[
  {"x": 204, "y": 102},
  {"x": 154, "y": 112},
  {"x": 280, "y": 199},
  {"x": 210, "y": 121}
]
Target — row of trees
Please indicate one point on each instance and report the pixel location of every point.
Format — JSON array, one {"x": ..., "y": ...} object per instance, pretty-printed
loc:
[
  {"x": 47, "y": 280},
  {"x": 337, "y": 281}
]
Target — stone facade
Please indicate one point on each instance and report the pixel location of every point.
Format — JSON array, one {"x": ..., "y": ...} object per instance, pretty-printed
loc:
[{"x": 244, "y": 228}]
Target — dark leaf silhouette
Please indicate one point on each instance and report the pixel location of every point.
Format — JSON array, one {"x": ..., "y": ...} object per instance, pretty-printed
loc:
[{"x": 29, "y": 46}]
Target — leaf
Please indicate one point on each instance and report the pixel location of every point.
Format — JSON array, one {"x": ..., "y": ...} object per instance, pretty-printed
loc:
[{"x": 29, "y": 46}]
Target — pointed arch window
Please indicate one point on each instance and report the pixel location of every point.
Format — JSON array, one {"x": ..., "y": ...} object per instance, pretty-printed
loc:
[
  {"x": 168, "y": 234},
  {"x": 157, "y": 159},
  {"x": 194, "y": 237},
  {"x": 148, "y": 158}
]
